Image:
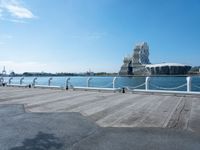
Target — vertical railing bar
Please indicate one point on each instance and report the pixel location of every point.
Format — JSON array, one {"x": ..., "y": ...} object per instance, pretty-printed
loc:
[
  {"x": 88, "y": 81},
  {"x": 67, "y": 83},
  {"x": 189, "y": 84},
  {"x": 21, "y": 80},
  {"x": 114, "y": 81},
  {"x": 10, "y": 80},
  {"x": 49, "y": 81},
  {"x": 147, "y": 81},
  {"x": 34, "y": 81}
]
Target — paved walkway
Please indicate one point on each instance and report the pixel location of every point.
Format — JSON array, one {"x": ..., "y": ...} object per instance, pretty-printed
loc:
[
  {"x": 20, "y": 130},
  {"x": 109, "y": 109}
]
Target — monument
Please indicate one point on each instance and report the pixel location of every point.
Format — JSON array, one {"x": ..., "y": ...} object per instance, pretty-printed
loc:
[{"x": 139, "y": 64}]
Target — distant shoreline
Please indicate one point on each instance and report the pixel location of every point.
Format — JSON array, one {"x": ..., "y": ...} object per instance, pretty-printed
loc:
[
  {"x": 43, "y": 74},
  {"x": 96, "y": 75}
]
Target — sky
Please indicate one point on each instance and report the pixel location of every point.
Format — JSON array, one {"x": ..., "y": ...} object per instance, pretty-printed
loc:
[{"x": 82, "y": 35}]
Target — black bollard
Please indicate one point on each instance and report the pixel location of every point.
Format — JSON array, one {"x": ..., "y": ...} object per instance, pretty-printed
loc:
[{"x": 123, "y": 90}]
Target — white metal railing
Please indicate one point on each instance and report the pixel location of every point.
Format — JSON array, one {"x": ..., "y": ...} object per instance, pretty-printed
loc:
[
  {"x": 134, "y": 87},
  {"x": 20, "y": 84},
  {"x": 2, "y": 82},
  {"x": 167, "y": 88},
  {"x": 112, "y": 85},
  {"x": 147, "y": 81},
  {"x": 88, "y": 81},
  {"x": 44, "y": 86},
  {"x": 113, "y": 82},
  {"x": 196, "y": 86},
  {"x": 67, "y": 83},
  {"x": 189, "y": 84},
  {"x": 21, "y": 80},
  {"x": 104, "y": 87},
  {"x": 49, "y": 81},
  {"x": 160, "y": 89},
  {"x": 34, "y": 82},
  {"x": 10, "y": 80}
]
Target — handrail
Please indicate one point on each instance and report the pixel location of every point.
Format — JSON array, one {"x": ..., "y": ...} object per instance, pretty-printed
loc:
[
  {"x": 172, "y": 88},
  {"x": 134, "y": 87},
  {"x": 112, "y": 85},
  {"x": 196, "y": 86}
]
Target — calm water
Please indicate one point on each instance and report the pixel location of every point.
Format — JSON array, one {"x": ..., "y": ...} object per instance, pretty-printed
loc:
[{"x": 160, "y": 83}]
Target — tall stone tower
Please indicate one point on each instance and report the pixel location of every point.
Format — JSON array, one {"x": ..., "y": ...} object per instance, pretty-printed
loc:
[
  {"x": 141, "y": 54},
  {"x": 136, "y": 63}
]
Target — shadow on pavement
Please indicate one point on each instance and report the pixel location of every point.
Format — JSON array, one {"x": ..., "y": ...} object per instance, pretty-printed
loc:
[{"x": 42, "y": 141}]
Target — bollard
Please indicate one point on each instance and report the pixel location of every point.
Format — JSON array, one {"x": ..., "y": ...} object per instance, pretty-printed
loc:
[
  {"x": 49, "y": 81},
  {"x": 88, "y": 81},
  {"x": 123, "y": 90},
  {"x": 113, "y": 83},
  {"x": 67, "y": 83},
  {"x": 189, "y": 84},
  {"x": 21, "y": 80},
  {"x": 147, "y": 83}
]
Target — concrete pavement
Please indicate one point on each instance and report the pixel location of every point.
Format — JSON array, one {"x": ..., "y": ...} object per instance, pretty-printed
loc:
[{"x": 20, "y": 130}]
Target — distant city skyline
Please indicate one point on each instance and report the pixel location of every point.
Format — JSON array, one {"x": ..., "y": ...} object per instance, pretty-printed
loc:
[{"x": 78, "y": 36}]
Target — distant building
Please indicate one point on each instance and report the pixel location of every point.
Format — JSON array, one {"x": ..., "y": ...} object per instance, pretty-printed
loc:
[
  {"x": 3, "y": 71},
  {"x": 12, "y": 73},
  {"x": 168, "y": 69},
  {"x": 139, "y": 64},
  {"x": 89, "y": 73}
]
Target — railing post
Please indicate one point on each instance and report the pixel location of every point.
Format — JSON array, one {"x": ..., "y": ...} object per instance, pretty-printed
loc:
[
  {"x": 147, "y": 83},
  {"x": 189, "y": 84},
  {"x": 49, "y": 81},
  {"x": 10, "y": 80},
  {"x": 1, "y": 80},
  {"x": 21, "y": 80},
  {"x": 88, "y": 81},
  {"x": 113, "y": 82},
  {"x": 67, "y": 83},
  {"x": 34, "y": 81}
]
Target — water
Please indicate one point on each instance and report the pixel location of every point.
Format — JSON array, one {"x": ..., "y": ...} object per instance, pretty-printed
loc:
[{"x": 176, "y": 83}]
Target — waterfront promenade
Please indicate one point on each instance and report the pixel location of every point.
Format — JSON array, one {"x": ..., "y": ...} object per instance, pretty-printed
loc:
[
  {"x": 44, "y": 119},
  {"x": 108, "y": 109}
]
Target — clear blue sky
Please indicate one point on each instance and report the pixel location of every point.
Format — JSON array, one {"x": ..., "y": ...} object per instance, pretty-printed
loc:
[{"x": 78, "y": 35}]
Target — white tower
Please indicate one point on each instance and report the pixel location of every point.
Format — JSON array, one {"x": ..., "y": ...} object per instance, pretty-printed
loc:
[{"x": 4, "y": 71}]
